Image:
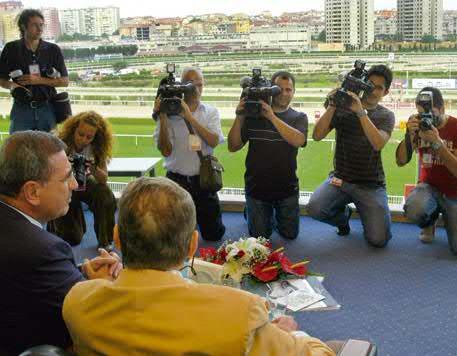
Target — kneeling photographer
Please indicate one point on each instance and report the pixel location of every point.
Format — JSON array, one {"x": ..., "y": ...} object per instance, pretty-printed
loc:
[
  {"x": 275, "y": 131},
  {"x": 187, "y": 131},
  {"x": 362, "y": 128},
  {"x": 89, "y": 141},
  {"x": 434, "y": 135}
]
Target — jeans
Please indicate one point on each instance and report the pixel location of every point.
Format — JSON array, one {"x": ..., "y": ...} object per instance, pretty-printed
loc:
[
  {"x": 424, "y": 205},
  {"x": 329, "y": 204},
  {"x": 286, "y": 216},
  {"x": 25, "y": 117}
]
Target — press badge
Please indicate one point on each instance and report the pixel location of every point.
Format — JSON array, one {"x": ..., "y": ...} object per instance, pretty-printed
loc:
[
  {"x": 34, "y": 69},
  {"x": 195, "y": 144},
  {"x": 427, "y": 159}
]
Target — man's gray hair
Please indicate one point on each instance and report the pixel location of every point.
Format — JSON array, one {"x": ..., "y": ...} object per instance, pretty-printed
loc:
[
  {"x": 188, "y": 70},
  {"x": 24, "y": 156},
  {"x": 156, "y": 221}
]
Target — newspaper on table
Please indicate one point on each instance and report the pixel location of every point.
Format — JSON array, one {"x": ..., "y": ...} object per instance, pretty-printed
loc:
[{"x": 304, "y": 294}]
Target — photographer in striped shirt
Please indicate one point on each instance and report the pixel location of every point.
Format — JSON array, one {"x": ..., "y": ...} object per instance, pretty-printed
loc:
[{"x": 358, "y": 176}]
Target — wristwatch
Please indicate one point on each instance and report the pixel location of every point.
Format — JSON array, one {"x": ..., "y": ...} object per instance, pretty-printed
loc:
[
  {"x": 436, "y": 145},
  {"x": 361, "y": 113}
]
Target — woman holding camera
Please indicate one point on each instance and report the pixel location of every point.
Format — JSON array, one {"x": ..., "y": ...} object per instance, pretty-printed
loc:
[
  {"x": 89, "y": 141},
  {"x": 434, "y": 135}
]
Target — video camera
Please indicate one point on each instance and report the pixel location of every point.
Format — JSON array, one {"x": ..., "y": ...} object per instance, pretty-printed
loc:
[
  {"x": 427, "y": 118},
  {"x": 79, "y": 165},
  {"x": 171, "y": 92},
  {"x": 256, "y": 89},
  {"x": 355, "y": 81}
]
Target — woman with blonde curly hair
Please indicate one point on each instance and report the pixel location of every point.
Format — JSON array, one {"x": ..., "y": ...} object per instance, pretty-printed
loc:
[{"x": 89, "y": 141}]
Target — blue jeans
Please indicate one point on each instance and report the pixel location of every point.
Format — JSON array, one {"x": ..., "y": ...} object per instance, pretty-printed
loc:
[
  {"x": 25, "y": 117},
  {"x": 424, "y": 205},
  {"x": 329, "y": 204},
  {"x": 282, "y": 214}
]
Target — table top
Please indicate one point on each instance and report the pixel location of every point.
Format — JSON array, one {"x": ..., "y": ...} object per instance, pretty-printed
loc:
[{"x": 131, "y": 164}]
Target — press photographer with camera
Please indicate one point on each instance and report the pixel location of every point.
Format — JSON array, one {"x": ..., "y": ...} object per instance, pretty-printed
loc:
[
  {"x": 89, "y": 139},
  {"x": 433, "y": 134},
  {"x": 362, "y": 128},
  {"x": 187, "y": 129},
  {"x": 31, "y": 69},
  {"x": 274, "y": 131}
]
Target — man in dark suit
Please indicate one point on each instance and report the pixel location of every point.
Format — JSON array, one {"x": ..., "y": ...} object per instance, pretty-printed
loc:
[{"x": 37, "y": 268}]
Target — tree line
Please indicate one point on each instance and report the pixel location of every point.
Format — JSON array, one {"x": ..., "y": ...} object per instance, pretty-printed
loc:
[{"x": 89, "y": 53}]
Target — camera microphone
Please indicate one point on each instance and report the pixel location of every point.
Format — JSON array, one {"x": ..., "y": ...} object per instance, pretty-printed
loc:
[
  {"x": 340, "y": 77},
  {"x": 275, "y": 90},
  {"x": 245, "y": 82},
  {"x": 16, "y": 74}
]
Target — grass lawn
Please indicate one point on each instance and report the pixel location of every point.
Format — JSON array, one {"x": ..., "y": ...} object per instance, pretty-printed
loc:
[{"x": 314, "y": 161}]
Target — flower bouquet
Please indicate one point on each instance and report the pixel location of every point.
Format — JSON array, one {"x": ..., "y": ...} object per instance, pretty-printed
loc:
[{"x": 253, "y": 257}]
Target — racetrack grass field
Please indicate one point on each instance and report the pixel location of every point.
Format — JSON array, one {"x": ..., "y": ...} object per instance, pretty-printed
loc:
[{"x": 314, "y": 161}]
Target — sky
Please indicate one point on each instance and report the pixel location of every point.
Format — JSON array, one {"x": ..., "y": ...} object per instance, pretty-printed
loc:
[{"x": 180, "y": 8}]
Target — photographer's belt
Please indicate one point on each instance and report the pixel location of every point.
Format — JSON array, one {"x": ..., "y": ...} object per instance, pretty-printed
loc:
[{"x": 34, "y": 104}]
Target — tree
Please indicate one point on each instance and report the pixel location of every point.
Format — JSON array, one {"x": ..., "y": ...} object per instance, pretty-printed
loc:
[
  {"x": 117, "y": 66},
  {"x": 322, "y": 36},
  {"x": 428, "y": 39}
]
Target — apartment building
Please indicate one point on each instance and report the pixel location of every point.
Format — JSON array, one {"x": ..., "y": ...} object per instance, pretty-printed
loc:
[{"x": 419, "y": 18}]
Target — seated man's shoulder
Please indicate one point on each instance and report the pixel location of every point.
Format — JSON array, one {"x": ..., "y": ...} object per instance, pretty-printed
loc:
[{"x": 223, "y": 292}]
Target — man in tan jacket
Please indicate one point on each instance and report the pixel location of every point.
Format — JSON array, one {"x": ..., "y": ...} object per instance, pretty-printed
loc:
[{"x": 151, "y": 310}]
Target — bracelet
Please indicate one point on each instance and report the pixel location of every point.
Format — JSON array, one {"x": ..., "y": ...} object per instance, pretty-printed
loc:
[
  {"x": 436, "y": 145},
  {"x": 361, "y": 113}
]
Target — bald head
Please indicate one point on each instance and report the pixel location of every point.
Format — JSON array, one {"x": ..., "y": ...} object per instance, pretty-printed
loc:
[{"x": 156, "y": 221}]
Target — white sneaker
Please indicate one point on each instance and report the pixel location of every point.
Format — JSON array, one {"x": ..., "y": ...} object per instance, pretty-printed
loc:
[{"x": 427, "y": 234}]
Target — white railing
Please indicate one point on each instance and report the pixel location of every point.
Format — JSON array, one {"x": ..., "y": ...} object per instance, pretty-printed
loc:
[{"x": 236, "y": 195}]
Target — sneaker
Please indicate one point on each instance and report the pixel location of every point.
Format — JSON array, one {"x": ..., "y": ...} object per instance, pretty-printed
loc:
[
  {"x": 427, "y": 234},
  {"x": 345, "y": 230}
]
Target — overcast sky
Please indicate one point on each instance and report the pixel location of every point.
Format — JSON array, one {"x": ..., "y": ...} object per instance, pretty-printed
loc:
[{"x": 158, "y": 8}]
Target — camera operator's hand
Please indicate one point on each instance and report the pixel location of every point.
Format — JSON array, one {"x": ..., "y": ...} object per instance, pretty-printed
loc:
[
  {"x": 431, "y": 136},
  {"x": 356, "y": 105},
  {"x": 28, "y": 79},
  {"x": 412, "y": 125},
  {"x": 331, "y": 98},
  {"x": 240, "y": 107},
  {"x": 267, "y": 111},
  {"x": 157, "y": 104},
  {"x": 185, "y": 111}
]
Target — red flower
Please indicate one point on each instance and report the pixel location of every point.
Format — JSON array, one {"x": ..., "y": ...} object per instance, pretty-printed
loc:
[
  {"x": 223, "y": 254},
  {"x": 240, "y": 253},
  {"x": 208, "y": 253},
  {"x": 300, "y": 269},
  {"x": 265, "y": 272}
]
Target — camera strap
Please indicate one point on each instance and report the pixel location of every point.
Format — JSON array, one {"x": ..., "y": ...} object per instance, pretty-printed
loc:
[
  {"x": 409, "y": 147},
  {"x": 191, "y": 131}
]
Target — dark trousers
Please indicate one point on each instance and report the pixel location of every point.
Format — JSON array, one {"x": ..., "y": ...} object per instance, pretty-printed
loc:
[
  {"x": 209, "y": 218},
  {"x": 101, "y": 202}
]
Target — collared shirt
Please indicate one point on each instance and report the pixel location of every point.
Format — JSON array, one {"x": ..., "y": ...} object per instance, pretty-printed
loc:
[
  {"x": 16, "y": 55},
  {"x": 182, "y": 160},
  {"x": 28, "y": 217}
]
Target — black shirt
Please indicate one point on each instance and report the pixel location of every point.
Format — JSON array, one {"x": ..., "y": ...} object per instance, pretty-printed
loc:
[
  {"x": 16, "y": 55},
  {"x": 271, "y": 162},
  {"x": 355, "y": 160}
]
